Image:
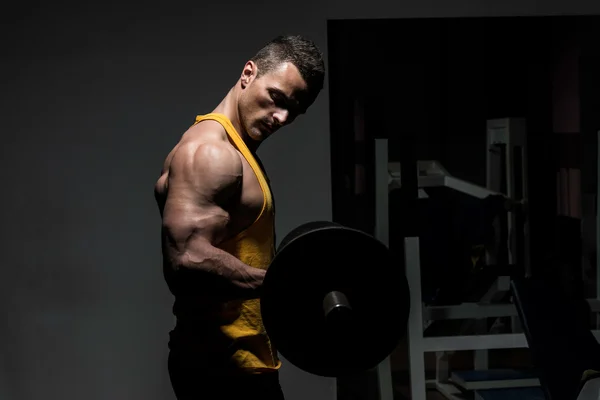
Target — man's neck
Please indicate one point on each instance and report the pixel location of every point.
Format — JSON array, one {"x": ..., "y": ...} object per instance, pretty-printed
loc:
[{"x": 228, "y": 107}]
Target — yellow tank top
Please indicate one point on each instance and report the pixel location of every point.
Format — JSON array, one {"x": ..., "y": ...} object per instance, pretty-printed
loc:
[{"x": 249, "y": 345}]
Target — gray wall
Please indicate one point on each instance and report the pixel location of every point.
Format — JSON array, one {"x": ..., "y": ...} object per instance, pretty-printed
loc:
[{"x": 92, "y": 99}]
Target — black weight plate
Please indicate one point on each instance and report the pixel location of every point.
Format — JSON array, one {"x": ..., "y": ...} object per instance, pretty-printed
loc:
[{"x": 315, "y": 259}]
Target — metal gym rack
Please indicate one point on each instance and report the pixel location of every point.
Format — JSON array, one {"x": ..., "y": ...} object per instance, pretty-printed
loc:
[{"x": 508, "y": 134}]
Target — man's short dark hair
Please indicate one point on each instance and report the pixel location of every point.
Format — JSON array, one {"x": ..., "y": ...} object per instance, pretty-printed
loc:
[{"x": 299, "y": 51}]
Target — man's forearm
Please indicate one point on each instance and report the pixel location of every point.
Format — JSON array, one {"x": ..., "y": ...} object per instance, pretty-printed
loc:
[{"x": 224, "y": 275}]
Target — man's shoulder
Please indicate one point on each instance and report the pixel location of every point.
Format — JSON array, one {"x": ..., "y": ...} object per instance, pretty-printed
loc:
[
  {"x": 208, "y": 125},
  {"x": 205, "y": 150},
  {"x": 206, "y": 131},
  {"x": 205, "y": 134}
]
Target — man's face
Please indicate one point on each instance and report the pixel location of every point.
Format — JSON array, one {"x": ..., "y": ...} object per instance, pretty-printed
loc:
[{"x": 271, "y": 101}]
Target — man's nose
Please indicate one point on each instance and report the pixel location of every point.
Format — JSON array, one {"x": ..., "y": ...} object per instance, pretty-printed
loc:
[{"x": 281, "y": 117}]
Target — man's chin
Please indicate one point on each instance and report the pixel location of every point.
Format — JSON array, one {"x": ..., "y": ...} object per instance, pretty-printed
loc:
[{"x": 257, "y": 136}]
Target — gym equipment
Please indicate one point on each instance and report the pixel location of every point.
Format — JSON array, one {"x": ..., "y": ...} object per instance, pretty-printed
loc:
[
  {"x": 334, "y": 300},
  {"x": 529, "y": 393},
  {"x": 506, "y": 168},
  {"x": 498, "y": 379},
  {"x": 558, "y": 332}
]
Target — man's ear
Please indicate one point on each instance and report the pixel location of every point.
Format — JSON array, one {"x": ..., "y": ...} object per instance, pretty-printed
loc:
[{"x": 248, "y": 74}]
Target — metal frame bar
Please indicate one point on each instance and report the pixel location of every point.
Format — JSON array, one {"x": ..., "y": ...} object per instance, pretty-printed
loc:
[
  {"x": 437, "y": 176},
  {"x": 384, "y": 369},
  {"x": 475, "y": 310},
  {"x": 469, "y": 311},
  {"x": 598, "y": 228},
  {"x": 416, "y": 341}
]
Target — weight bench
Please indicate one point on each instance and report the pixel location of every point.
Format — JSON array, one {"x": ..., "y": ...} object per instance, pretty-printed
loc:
[{"x": 558, "y": 332}]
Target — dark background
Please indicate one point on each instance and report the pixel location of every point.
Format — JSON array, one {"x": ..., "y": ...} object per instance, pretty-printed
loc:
[{"x": 429, "y": 85}]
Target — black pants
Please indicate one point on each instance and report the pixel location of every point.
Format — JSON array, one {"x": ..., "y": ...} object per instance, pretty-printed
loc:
[{"x": 191, "y": 381}]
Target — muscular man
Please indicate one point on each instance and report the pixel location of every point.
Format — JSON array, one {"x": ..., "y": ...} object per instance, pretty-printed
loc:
[{"x": 218, "y": 227}]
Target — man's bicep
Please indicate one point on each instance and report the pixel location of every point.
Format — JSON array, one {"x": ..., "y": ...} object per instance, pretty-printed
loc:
[
  {"x": 207, "y": 184},
  {"x": 217, "y": 176},
  {"x": 216, "y": 173}
]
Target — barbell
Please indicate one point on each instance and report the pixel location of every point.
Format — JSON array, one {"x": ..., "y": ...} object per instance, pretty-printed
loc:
[{"x": 334, "y": 301}]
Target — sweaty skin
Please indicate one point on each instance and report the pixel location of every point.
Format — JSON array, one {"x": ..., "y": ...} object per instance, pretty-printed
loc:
[{"x": 208, "y": 193}]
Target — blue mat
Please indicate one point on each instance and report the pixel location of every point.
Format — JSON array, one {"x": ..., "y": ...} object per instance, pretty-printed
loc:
[{"x": 512, "y": 394}]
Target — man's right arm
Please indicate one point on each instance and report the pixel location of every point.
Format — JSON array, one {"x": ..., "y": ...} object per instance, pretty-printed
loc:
[{"x": 196, "y": 220}]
